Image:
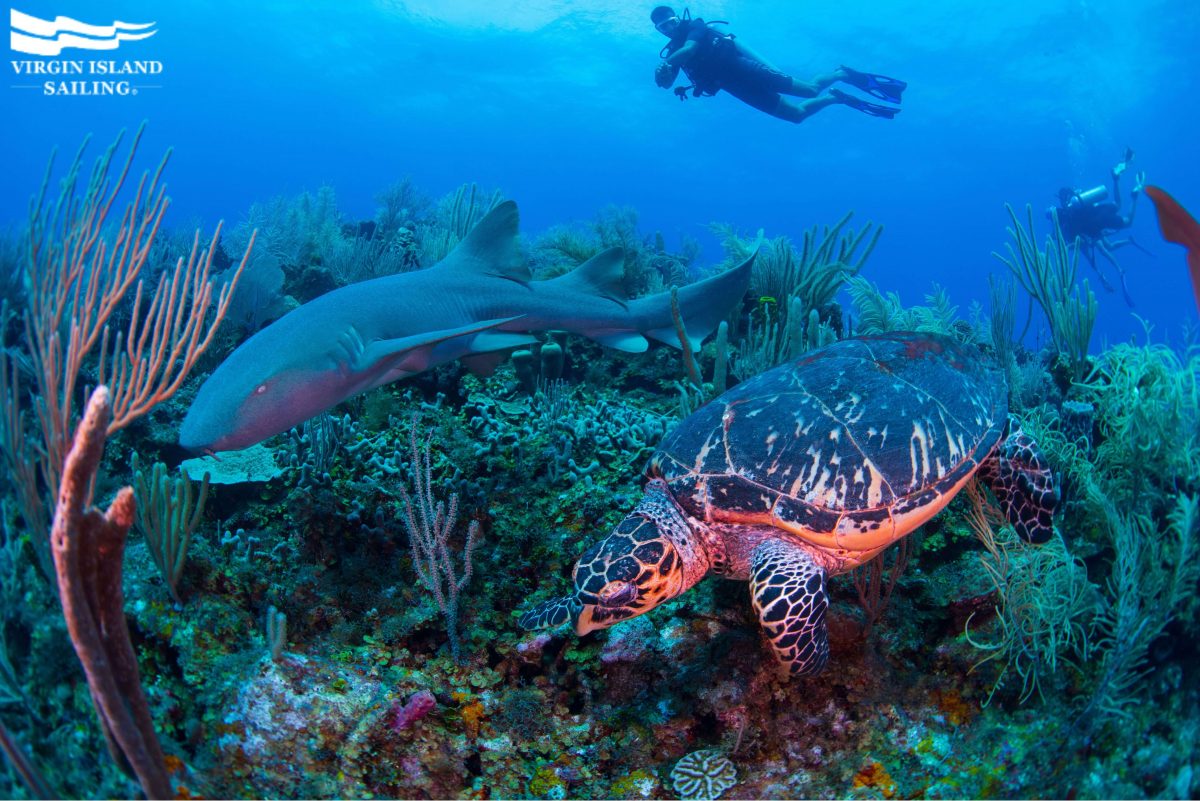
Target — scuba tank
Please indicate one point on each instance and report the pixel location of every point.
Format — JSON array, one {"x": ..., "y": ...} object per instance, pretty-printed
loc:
[
  {"x": 1097, "y": 194},
  {"x": 1093, "y": 196}
]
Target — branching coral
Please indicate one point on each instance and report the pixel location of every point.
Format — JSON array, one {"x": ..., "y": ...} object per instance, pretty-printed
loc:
[
  {"x": 879, "y": 313},
  {"x": 815, "y": 272},
  {"x": 295, "y": 230},
  {"x": 796, "y": 289},
  {"x": 167, "y": 515},
  {"x": 1148, "y": 406},
  {"x": 1045, "y": 607},
  {"x": 1049, "y": 278},
  {"x": 1137, "y": 494},
  {"x": 1154, "y": 576},
  {"x": 430, "y": 524}
]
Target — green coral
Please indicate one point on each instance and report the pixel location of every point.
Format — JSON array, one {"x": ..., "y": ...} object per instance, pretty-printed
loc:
[
  {"x": 1153, "y": 583},
  {"x": 1046, "y": 607},
  {"x": 1133, "y": 497},
  {"x": 546, "y": 783},
  {"x": 1147, "y": 402},
  {"x": 879, "y": 313},
  {"x": 640, "y": 783},
  {"x": 795, "y": 289},
  {"x": 1049, "y": 277}
]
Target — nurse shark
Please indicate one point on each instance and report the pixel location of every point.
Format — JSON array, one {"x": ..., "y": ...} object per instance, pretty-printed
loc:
[{"x": 477, "y": 304}]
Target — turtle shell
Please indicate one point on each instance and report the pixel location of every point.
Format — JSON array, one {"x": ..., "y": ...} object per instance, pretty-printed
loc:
[{"x": 849, "y": 448}]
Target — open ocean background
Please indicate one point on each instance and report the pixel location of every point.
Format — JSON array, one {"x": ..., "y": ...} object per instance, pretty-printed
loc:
[{"x": 554, "y": 104}]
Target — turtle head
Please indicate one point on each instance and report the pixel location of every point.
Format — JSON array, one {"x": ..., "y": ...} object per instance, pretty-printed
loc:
[
  {"x": 631, "y": 571},
  {"x": 649, "y": 558},
  {"x": 628, "y": 573}
]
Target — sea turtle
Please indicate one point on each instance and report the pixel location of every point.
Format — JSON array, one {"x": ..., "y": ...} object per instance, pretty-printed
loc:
[{"x": 806, "y": 471}]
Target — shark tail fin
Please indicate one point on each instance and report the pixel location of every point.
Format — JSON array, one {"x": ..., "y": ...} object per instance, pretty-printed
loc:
[
  {"x": 1180, "y": 227},
  {"x": 600, "y": 275},
  {"x": 702, "y": 306}
]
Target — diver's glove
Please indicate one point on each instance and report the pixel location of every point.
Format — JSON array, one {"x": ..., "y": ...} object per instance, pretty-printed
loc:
[
  {"x": 1139, "y": 182},
  {"x": 664, "y": 75},
  {"x": 1123, "y": 164}
]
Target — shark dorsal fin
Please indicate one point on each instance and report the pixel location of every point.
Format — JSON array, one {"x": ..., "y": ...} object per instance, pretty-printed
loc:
[
  {"x": 491, "y": 247},
  {"x": 602, "y": 274}
]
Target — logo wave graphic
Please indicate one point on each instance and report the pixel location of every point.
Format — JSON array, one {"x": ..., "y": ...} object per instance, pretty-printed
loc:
[{"x": 41, "y": 37}]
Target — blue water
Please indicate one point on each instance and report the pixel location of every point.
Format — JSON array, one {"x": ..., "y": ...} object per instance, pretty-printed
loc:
[{"x": 554, "y": 104}]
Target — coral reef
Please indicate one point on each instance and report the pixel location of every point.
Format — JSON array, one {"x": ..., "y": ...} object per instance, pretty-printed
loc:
[{"x": 292, "y": 645}]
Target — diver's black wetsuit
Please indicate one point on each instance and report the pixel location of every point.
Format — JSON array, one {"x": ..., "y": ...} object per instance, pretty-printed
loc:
[
  {"x": 1090, "y": 221},
  {"x": 1086, "y": 226},
  {"x": 719, "y": 64}
]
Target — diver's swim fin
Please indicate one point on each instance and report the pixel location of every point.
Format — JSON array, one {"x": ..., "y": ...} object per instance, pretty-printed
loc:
[
  {"x": 858, "y": 104},
  {"x": 880, "y": 86}
]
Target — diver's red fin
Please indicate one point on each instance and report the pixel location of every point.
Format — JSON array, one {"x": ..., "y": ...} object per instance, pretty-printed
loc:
[{"x": 1181, "y": 228}]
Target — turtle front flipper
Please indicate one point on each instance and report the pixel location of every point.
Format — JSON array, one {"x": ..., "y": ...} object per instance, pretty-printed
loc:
[
  {"x": 787, "y": 589},
  {"x": 555, "y": 612},
  {"x": 1020, "y": 478}
]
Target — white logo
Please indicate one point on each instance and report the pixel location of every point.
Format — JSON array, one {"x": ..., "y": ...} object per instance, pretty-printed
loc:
[
  {"x": 40, "y": 37},
  {"x": 43, "y": 71}
]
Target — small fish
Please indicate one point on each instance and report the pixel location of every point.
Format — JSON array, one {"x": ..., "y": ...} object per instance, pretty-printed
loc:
[{"x": 1181, "y": 228}]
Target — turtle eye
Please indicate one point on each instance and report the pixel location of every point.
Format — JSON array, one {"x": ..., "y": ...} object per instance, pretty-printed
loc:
[{"x": 617, "y": 593}]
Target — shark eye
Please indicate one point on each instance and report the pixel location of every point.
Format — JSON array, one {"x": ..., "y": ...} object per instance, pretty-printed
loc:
[
  {"x": 617, "y": 593},
  {"x": 262, "y": 388}
]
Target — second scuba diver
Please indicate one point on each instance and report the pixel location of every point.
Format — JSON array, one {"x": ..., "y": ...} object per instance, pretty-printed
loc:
[{"x": 1088, "y": 217}]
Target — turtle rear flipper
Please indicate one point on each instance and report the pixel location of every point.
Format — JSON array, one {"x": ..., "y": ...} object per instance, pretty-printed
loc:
[
  {"x": 787, "y": 589},
  {"x": 1020, "y": 478},
  {"x": 555, "y": 612}
]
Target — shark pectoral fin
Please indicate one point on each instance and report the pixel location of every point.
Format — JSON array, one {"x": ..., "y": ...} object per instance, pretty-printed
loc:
[
  {"x": 670, "y": 336},
  {"x": 602, "y": 275},
  {"x": 628, "y": 341},
  {"x": 491, "y": 248},
  {"x": 411, "y": 354},
  {"x": 489, "y": 348}
]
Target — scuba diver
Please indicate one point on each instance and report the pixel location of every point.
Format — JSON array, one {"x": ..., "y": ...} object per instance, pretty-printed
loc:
[
  {"x": 714, "y": 61},
  {"x": 1088, "y": 217}
]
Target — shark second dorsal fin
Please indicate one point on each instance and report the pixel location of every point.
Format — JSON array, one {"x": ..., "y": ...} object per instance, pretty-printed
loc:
[
  {"x": 600, "y": 275},
  {"x": 491, "y": 247}
]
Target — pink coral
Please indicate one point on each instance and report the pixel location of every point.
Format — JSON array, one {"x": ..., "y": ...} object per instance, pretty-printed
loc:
[
  {"x": 419, "y": 705},
  {"x": 530, "y": 649}
]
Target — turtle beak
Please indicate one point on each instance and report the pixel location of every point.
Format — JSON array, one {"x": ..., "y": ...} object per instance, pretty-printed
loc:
[
  {"x": 594, "y": 617},
  {"x": 584, "y": 623}
]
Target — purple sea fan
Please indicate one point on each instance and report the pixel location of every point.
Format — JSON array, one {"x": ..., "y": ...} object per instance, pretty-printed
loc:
[{"x": 404, "y": 715}]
